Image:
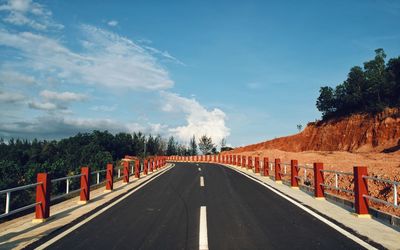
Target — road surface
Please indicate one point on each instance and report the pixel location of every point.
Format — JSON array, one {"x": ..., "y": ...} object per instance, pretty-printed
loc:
[{"x": 237, "y": 213}]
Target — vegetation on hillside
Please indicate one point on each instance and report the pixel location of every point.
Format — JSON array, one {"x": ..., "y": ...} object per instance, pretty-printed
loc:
[
  {"x": 366, "y": 90},
  {"x": 21, "y": 160}
]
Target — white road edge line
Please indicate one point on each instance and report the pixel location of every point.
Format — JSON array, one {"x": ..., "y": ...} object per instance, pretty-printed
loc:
[
  {"x": 319, "y": 217},
  {"x": 201, "y": 181},
  {"x": 68, "y": 231},
  {"x": 203, "y": 238}
]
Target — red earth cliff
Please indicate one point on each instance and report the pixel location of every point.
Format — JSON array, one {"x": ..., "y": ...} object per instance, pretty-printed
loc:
[{"x": 355, "y": 133}]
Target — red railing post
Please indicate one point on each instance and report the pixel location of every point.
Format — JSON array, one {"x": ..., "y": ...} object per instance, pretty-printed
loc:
[
  {"x": 234, "y": 160},
  {"x": 42, "y": 210},
  {"x": 109, "y": 177},
  {"x": 361, "y": 189},
  {"x": 257, "y": 165},
  {"x": 266, "y": 166},
  {"x": 278, "y": 177},
  {"x": 85, "y": 185},
  {"x": 249, "y": 163},
  {"x": 145, "y": 167},
  {"x": 318, "y": 180},
  {"x": 294, "y": 173},
  {"x": 125, "y": 165},
  {"x": 137, "y": 169},
  {"x": 243, "y": 161}
]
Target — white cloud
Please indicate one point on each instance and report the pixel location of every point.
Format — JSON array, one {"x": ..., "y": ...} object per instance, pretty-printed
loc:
[
  {"x": 54, "y": 127},
  {"x": 104, "y": 108},
  {"x": 62, "y": 96},
  {"x": 200, "y": 121},
  {"x": 11, "y": 97},
  {"x": 105, "y": 59},
  {"x": 109, "y": 60},
  {"x": 47, "y": 106},
  {"x": 28, "y": 13},
  {"x": 13, "y": 77},
  {"x": 163, "y": 54},
  {"x": 112, "y": 23}
]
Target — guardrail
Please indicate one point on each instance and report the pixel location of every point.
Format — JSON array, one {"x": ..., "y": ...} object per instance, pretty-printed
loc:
[
  {"x": 313, "y": 176},
  {"x": 8, "y": 192},
  {"x": 44, "y": 183},
  {"x": 394, "y": 185},
  {"x": 336, "y": 176},
  {"x": 67, "y": 182}
]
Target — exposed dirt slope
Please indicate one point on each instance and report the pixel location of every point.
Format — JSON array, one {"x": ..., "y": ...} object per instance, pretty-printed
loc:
[{"x": 356, "y": 133}]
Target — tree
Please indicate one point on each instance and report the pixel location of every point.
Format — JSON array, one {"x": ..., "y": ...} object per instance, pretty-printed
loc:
[
  {"x": 375, "y": 75},
  {"x": 223, "y": 142},
  {"x": 205, "y": 144},
  {"x": 365, "y": 90},
  {"x": 299, "y": 127},
  {"x": 393, "y": 80},
  {"x": 193, "y": 146},
  {"x": 171, "y": 147},
  {"x": 326, "y": 101},
  {"x": 223, "y": 145}
]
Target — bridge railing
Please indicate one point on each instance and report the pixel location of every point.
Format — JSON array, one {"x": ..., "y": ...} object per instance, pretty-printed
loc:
[
  {"x": 44, "y": 186},
  {"x": 335, "y": 175},
  {"x": 67, "y": 180},
  {"x": 393, "y": 184},
  {"x": 312, "y": 176},
  {"x": 8, "y": 192}
]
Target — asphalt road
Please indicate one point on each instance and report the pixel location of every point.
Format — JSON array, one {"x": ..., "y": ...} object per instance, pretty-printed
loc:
[{"x": 241, "y": 214}]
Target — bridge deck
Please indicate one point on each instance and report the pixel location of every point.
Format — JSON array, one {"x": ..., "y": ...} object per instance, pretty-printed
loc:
[{"x": 241, "y": 214}]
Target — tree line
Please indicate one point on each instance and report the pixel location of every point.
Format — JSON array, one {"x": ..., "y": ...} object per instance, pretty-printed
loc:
[
  {"x": 366, "y": 90},
  {"x": 21, "y": 160}
]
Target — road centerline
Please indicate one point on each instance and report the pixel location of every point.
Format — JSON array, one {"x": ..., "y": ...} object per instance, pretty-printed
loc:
[
  {"x": 201, "y": 181},
  {"x": 203, "y": 238}
]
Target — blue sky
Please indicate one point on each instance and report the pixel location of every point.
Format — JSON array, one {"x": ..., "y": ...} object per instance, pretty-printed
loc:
[{"x": 242, "y": 70}]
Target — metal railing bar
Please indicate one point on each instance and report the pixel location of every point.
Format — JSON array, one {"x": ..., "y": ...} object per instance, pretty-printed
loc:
[
  {"x": 380, "y": 201},
  {"x": 99, "y": 171},
  {"x": 63, "y": 195},
  {"x": 381, "y": 180},
  {"x": 20, "y": 188},
  {"x": 304, "y": 166},
  {"x": 19, "y": 209},
  {"x": 337, "y": 188},
  {"x": 336, "y": 172},
  {"x": 66, "y": 177}
]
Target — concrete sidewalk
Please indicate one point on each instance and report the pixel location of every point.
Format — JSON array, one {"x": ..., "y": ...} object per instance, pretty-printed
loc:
[
  {"x": 370, "y": 228},
  {"x": 21, "y": 232}
]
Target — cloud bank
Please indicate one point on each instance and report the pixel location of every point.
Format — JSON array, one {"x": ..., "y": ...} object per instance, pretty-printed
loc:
[{"x": 102, "y": 61}]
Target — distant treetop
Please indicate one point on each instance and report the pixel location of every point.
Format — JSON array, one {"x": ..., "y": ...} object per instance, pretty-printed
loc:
[{"x": 366, "y": 90}]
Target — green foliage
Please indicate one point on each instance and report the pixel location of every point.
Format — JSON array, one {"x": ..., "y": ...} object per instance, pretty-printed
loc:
[
  {"x": 172, "y": 146},
  {"x": 193, "y": 146},
  {"x": 369, "y": 89},
  {"x": 21, "y": 160},
  {"x": 206, "y": 144}
]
